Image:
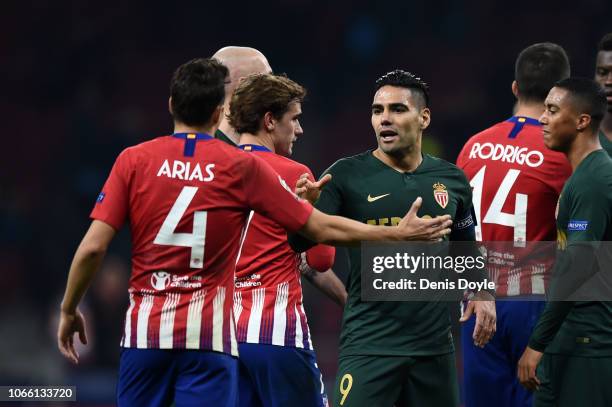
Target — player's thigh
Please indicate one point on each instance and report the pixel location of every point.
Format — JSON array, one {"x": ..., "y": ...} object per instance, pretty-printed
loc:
[
  {"x": 206, "y": 378},
  {"x": 545, "y": 395},
  {"x": 146, "y": 377},
  {"x": 430, "y": 381},
  {"x": 281, "y": 376},
  {"x": 580, "y": 381},
  {"x": 247, "y": 392},
  {"x": 368, "y": 381},
  {"x": 490, "y": 372}
]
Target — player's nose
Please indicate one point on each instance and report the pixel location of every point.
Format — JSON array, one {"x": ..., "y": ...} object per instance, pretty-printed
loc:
[
  {"x": 298, "y": 129},
  {"x": 543, "y": 119},
  {"x": 385, "y": 118}
]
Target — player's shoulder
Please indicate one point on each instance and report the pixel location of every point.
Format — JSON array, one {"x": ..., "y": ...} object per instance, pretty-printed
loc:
[
  {"x": 441, "y": 165},
  {"x": 285, "y": 166},
  {"x": 348, "y": 164},
  {"x": 594, "y": 173},
  {"x": 490, "y": 133},
  {"x": 144, "y": 148}
]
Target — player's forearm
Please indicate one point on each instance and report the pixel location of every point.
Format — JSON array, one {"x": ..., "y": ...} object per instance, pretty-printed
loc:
[
  {"x": 329, "y": 284},
  {"x": 549, "y": 323},
  {"x": 85, "y": 264},
  {"x": 339, "y": 231},
  {"x": 573, "y": 268}
]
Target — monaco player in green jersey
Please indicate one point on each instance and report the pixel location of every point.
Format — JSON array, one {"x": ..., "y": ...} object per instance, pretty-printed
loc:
[
  {"x": 573, "y": 339},
  {"x": 398, "y": 353},
  {"x": 603, "y": 76}
]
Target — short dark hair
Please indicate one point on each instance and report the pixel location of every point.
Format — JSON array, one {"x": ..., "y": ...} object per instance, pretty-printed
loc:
[
  {"x": 405, "y": 79},
  {"x": 261, "y": 93},
  {"x": 587, "y": 96},
  {"x": 605, "y": 44},
  {"x": 197, "y": 89},
  {"x": 538, "y": 67}
]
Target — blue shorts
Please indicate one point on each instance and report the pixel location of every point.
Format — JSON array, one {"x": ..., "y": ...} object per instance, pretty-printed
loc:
[
  {"x": 156, "y": 377},
  {"x": 275, "y": 376},
  {"x": 489, "y": 374}
]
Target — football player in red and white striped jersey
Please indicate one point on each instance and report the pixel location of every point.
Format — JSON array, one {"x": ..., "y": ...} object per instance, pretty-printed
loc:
[{"x": 278, "y": 364}]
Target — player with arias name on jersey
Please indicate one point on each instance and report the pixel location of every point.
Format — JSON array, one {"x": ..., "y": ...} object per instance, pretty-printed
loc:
[
  {"x": 277, "y": 361},
  {"x": 516, "y": 182},
  {"x": 186, "y": 223}
]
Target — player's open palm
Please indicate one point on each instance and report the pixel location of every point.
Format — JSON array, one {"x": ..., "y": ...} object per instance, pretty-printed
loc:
[
  {"x": 70, "y": 324},
  {"x": 428, "y": 229}
]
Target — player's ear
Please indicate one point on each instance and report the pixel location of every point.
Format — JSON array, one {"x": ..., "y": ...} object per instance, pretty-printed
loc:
[
  {"x": 170, "y": 106},
  {"x": 515, "y": 89},
  {"x": 425, "y": 118},
  {"x": 268, "y": 121},
  {"x": 584, "y": 121},
  {"x": 217, "y": 116}
]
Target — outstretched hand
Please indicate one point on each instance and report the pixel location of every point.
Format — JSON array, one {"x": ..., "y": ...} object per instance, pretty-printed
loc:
[
  {"x": 310, "y": 190},
  {"x": 70, "y": 323},
  {"x": 411, "y": 227}
]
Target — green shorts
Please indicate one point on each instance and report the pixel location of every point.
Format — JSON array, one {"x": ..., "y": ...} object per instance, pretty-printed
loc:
[
  {"x": 574, "y": 381},
  {"x": 401, "y": 381}
]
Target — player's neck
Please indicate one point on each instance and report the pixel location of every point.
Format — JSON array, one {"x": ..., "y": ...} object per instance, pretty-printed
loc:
[
  {"x": 183, "y": 128},
  {"x": 229, "y": 131},
  {"x": 531, "y": 110},
  {"x": 406, "y": 163},
  {"x": 606, "y": 125},
  {"x": 259, "y": 139},
  {"x": 582, "y": 146}
]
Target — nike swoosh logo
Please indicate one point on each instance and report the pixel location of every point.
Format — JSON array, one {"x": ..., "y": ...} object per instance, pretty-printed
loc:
[{"x": 376, "y": 198}]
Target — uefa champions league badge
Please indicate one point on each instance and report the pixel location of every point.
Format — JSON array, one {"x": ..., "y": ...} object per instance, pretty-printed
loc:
[{"x": 100, "y": 197}]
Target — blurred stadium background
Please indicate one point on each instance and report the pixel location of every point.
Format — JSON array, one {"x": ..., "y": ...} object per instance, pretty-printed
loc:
[{"x": 82, "y": 81}]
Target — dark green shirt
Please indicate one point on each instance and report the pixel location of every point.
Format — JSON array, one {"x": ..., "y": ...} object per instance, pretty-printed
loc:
[
  {"x": 582, "y": 328},
  {"x": 367, "y": 190},
  {"x": 606, "y": 144},
  {"x": 219, "y": 135}
]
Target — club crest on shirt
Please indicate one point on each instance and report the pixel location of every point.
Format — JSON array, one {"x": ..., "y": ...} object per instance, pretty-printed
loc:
[{"x": 440, "y": 194}]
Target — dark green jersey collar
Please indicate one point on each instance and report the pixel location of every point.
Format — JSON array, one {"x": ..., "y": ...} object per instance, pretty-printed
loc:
[
  {"x": 423, "y": 166},
  {"x": 219, "y": 135}
]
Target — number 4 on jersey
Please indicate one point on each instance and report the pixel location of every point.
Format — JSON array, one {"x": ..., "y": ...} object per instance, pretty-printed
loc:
[
  {"x": 195, "y": 240},
  {"x": 517, "y": 220}
]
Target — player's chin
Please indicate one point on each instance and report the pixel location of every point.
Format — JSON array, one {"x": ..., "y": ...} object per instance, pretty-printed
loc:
[{"x": 551, "y": 145}]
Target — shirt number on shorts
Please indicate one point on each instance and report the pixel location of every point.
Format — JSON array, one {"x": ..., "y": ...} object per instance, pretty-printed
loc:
[
  {"x": 345, "y": 386},
  {"x": 196, "y": 239}
]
